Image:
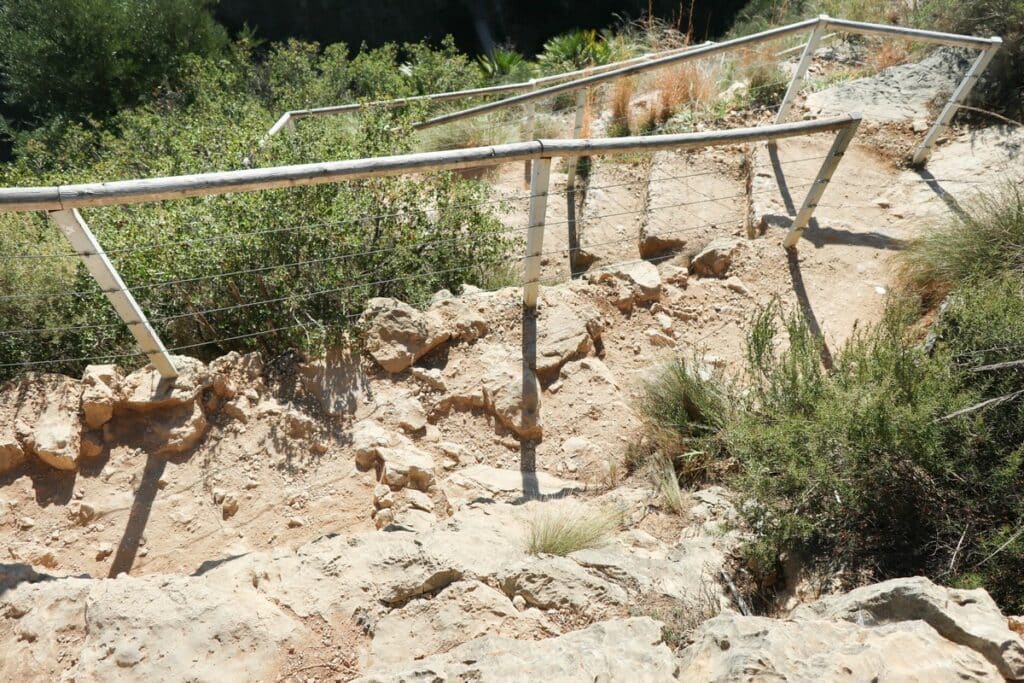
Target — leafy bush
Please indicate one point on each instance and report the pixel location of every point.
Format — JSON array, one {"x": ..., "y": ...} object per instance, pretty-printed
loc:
[
  {"x": 505, "y": 65},
  {"x": 566, "y": 529},
  {"x": 304, "y": 260},
  {"x": 904, "y": 458},
  {"x": 582, "y": 48},
  {"x": 92, "y": 57}
]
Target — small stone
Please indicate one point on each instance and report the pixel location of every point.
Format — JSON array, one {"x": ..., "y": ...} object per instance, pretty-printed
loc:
[
  {"x": 519, "y": 602},
  {"x": 229, "y": 506},
  {"x": 919, "y": 125},
  {"x": 104, "y": 550},
  {"x": 883, "y": 202},
  {"x": 91, "y": 446},
  {"x": 737, "y": 285},
  {"x": 410, "y": 414},
  {"x": 419, "y": 500},
  {"x": 383, "y": 497},
  {"x": 86, "y": 513},
  {"x": 716, "y": 258},
  {"x": 431, "y": 377},
  {"x": 296, "y": 522},
  {"x": 26, "y": 523},
  {"x": 664, "y": 322},
  {"x": 383, "y": 517},
  {"x": 657, "y": 338},
  {"x": 218, "y": 496}
]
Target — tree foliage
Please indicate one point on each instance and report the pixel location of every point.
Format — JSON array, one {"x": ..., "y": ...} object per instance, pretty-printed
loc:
[
  {"x": 92, "y": 57},
  {"x": 303, "y": 261}
]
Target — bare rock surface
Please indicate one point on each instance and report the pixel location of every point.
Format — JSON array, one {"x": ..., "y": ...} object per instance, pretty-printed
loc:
[
  {"x": 898, "y": 630},
  {"x": 735, "y": 648},
  {"x": 484, "y": 481},
  {"x": 398, "y": 335},
  {"x": 463, "y": 611},
  {"x": 155, "y": 628},
  {"x": 966, "y": 617},
  {"x": 900, "y": 93},
  {"x": 620, "y": 650}
]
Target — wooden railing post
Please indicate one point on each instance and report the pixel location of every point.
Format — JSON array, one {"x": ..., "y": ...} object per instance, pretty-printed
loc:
[
  {"x": 530, "y": 128},
  {"x": 842, "y": 141},
  {"x": 539, "y": 178},
  {"x": 958, "y": 97},
  {"x": 801, "y": 68},
  {"x": 570, "y": 186},
  {"x": 88, "y": 248}
]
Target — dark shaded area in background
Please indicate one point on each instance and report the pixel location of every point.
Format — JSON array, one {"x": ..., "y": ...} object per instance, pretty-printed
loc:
[{"x": 475, "y": 24}]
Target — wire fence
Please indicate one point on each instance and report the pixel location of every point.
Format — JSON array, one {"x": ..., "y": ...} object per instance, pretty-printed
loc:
[{"x": 221, "y": 273}]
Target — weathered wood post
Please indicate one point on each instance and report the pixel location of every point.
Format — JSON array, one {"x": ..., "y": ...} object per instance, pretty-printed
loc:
[
  {"x": 88, "y": 248},
  {"x": 801, "y": 68},
  {"x": 958, "y": 97},
  {"x": 570, "y": 185},
  {"x": 539, "y": 177},
  {"x": 530, "y": 128},
  {"x": 828, "y": 167}
]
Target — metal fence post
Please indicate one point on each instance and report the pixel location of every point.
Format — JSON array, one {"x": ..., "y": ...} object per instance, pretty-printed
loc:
[
  {"x": 539, "y": 177},
  {"x": 99, "y": 266},
  {"x": 959, "y": 95},
  {"x": 828, "y": 167},
  {"x": 801, "y": 68},
  {"x": 530, "y": 128}
]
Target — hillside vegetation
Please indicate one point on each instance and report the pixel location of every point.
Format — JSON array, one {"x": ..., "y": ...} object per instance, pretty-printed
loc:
[{"x": 904, "y": 455}]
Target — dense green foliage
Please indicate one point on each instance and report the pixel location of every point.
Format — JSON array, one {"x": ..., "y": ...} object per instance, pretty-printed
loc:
[
  {"x": 904, "y": 457},
  {"x": 92, "y": 57},
  {"x": 304, "y": 260}
]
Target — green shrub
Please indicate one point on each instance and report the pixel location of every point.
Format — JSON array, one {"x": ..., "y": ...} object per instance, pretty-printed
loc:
[
  {"x": 904, "y": 458},
  {"x": 505, "y": 65},
  {"x": 567, "y": 528},
  {"x": 91, "y": 57},
  {"x": 766, "y": 83},
  {"x": 305, "y": 259},
  {"x": 582, "y": 48}
]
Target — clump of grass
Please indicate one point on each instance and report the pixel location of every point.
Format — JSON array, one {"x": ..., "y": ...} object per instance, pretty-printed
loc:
[
  {"x": 975, "y": 246},
  {"x": 565, "y": 529},
  {"x": 622, "y": 96},
  {"x": 681, "y": 616},
  {"x": 473, "y": 132},
  {"x": 689, "y": 84},
  {"x": 888, "y": 54},
  {"x": 766, "y": 83}
]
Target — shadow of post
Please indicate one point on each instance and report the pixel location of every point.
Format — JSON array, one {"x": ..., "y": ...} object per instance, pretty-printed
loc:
[
  {"x": 933, "y": 184},
  {"x": 530, "y": 405},
  {"x": 128, "y": 548},
  {"x": 805, "y": 305},
  {"x": 780, "y": 178}
]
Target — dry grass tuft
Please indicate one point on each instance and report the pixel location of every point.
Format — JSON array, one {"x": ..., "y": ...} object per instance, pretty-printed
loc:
[
  {"x": 689, "y": 84},
  {"x": 889, "y": 54},
  {"x": 567, "y": 528},
  {"x": 622, "y": 97}
]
